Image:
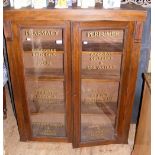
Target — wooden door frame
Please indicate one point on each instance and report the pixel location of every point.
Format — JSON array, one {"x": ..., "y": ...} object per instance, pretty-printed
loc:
[
  {"x": 18, "y": 77},
  {"x": 123, "y": 118}
]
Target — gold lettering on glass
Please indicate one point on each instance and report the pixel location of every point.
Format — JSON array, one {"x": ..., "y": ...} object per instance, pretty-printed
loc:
[
  {"x": 40, "y": 55},
  {"x": 46, "y": 96},
  {"x": 97, "y": 96},
  {"x": 100, "y": 57},
  {"x": 100, "y": 67},
  {"x": 45, "y": 128},
  {"x": 96, "y": 34},
  {"x": 41, "y": 33},
  {"x": 48, "y": 125},
  {"x": 96, "y": 56},
  {"x": 95, "y": 131}
]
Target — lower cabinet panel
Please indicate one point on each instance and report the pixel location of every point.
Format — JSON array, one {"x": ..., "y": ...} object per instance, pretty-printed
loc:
[{"x": 98, "y": 110}]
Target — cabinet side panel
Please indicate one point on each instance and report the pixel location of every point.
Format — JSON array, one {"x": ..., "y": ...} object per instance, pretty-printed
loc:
[
  {"x": 125, "y": 81},
  {"x": 127, "y": 97},
  {"x": 18, "y": 85}
]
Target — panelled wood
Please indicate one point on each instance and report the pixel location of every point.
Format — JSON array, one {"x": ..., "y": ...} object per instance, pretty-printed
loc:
[
  {"x": 131, "y": 83},
  {"x": 17, "y": 85},
  {"x": 138, "y": 31},
  {"x": 8, "y": 30},
  {"x": 67, "y": 65},
  {"x": 128, "y": 32},
  {"x": 76, "y": 85},
  {"x": 124, "y": 83},
  {"x": 74, "y": 69},
  {"x": 18, "y": 25},
  {"x": 131, "y": 87}
]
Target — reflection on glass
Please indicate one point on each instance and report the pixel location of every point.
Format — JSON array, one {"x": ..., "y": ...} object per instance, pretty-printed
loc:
[
  {"x": 47, "y": 108},
  {"x": 43, "y": 59},
  {"x": 45, "y": 38},
  {"x": 45, "y": 96},
  {"x": 98, "y": 109},
  {"x": 43, "y": 51},
  {"x": 102, "y": 40}
]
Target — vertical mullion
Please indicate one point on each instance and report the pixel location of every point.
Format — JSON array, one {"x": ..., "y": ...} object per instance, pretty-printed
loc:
[{"x": 76, "y": 85}]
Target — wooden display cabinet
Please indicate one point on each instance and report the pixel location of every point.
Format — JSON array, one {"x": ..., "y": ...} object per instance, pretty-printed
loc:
[{"x": 73, "y": 72}]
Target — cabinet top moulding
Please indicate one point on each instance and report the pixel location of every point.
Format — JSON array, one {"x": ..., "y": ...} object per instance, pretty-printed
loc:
[{"x": 129, "y": 12}]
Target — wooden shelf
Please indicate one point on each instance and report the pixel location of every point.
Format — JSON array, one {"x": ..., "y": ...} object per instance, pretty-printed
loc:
[
  {"x": 111, "y": 52},
  {"x": 104, "y": 78},
  {"x": 99, "y": 108},
  {"x": 104, "y": 75},
  {"x": 48, "y": 117},
  {"x": 117, "y": 47},
  {"x": 44, "y": 73},
  {"x": 42, "y": 107},
  {"x": 56, "y": 52},
  {"x": 28, "y": 45},
  {"x": 33, "y": 114}
]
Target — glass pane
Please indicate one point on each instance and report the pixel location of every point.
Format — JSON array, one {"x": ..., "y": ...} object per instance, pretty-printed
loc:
[
  {"x": 43, "y": 59},
  {"x": 43, "y": 51},
  {"x": 43, "y": 62},
  {"x": 42, "y": 38},
  {"x": 101, "y": 63},
  {"x": 102, "y": 40},
  {"x": 47, "y": 108},
  {"x": 98, "y": 109}
]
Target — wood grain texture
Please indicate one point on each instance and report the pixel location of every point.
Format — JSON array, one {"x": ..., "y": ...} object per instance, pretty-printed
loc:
[
  {"x": 17, "y": 71},
  {"x": 76, "y": 85},
  {"x": 8, "y": 30},
  {"x": 67, "y": 74},
  {"x": 18, "y": 95},
  {"x": 13, "y": 146},
  {"x": 122, "y": 117},
  {"x": 129, "y": 91},
  {"x": 138, "y": 31},
  {"x": 126, "y": 62},
  {"x": 77, "y": 14},
  {"x": 142, "y": 144},
  {"x": 73, "y": 22}
]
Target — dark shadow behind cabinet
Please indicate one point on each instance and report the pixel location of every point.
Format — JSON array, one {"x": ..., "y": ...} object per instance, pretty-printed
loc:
[
  {"x": 71, "y": 72},
  {"x": 143, "y": 64}
]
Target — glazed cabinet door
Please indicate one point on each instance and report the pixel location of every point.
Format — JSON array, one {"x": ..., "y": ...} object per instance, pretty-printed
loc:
[
  {"x": 101, "y": 59},
  {"x": 42, "y": 79}
]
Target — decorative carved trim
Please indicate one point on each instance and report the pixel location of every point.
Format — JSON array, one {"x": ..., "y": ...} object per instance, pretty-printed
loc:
[{"x": 143, "y": 3}]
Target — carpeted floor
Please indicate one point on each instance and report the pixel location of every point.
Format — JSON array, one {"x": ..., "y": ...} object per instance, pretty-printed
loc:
[{"x": 12, "y": 145}]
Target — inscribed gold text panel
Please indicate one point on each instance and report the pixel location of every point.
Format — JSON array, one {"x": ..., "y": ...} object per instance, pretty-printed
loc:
[
  {"x": 45, "y": 96},
  {"x": 103, "y": 36},
  {"x": 98, "y": 109},
  {"x": 101, "y": 63},
  {"x": 42, "y": 60},
  {"x": 48, "y": 125}
]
